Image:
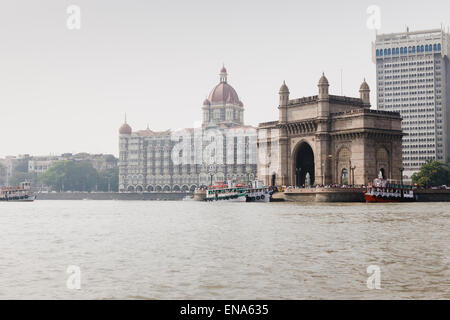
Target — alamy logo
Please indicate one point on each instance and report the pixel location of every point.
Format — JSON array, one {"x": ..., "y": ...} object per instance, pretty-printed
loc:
[
  {"x": 74, "y": 18},
  {"x": 374, "y": 19},
  {"x": 74, "y": 280},
  {"x": 374, "y": 280}
]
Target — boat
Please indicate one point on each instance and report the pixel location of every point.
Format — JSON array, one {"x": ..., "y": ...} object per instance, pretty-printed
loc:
[
  {"x": 238, "y": 192},
  {"x": 387, "y": 190},
  {"x": 22, "y": 193}
]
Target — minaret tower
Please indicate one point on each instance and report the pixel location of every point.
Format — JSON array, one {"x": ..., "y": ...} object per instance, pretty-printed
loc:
[
  {"x": 324, "y": 98},
  {"x": 364, "y": 92},
  {"x": 284, "y": 100}
]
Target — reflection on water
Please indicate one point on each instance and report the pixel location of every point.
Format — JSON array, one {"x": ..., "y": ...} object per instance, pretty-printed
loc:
[{"x": 192, "y": 250}]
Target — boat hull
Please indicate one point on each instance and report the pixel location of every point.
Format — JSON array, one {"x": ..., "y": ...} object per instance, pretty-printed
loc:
[
  {"x": 372, "y": 199},
  {"x": 238, "y": 199}
]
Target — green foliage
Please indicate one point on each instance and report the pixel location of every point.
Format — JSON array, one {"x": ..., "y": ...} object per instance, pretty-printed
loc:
[
  {"x": 70, "y": 175},
  {"x": 79, "y": 176},
  {"x": 19, "y": 176},
  {"x": 2, "y": 174},
  {"x": 432, "y": 173},
  {"x": 109, "y": 180}
]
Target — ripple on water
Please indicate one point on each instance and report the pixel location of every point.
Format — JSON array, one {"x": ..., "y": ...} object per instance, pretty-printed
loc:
[{"x": 192, "y": 250}]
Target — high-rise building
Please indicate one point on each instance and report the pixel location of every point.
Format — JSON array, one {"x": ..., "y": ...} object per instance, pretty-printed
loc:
[{"x": 413, "y": 78}]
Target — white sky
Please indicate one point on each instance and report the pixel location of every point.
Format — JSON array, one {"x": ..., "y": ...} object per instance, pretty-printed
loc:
[{"x": 67, "y": 90}]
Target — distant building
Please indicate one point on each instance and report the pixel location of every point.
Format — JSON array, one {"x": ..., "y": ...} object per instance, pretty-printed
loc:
[
  {"x": 326, "y": 139},
  {"x": 41, "y": 164},
  {"x": 222, "y": 149},
  {"x": 413, "y": 78}
]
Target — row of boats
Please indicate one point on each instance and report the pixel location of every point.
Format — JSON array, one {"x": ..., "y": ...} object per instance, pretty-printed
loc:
[{"x": 381, "y": 190}]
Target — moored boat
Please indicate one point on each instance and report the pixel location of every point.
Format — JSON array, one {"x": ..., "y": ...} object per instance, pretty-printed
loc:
[
  {"x": 384, "y": 190},
  {"x": 238, "y": 192},
  {"x": 22, "y": 193}
]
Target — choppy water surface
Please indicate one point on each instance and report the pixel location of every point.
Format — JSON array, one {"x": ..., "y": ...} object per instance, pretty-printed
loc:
[{"x": 192, "y": 250}]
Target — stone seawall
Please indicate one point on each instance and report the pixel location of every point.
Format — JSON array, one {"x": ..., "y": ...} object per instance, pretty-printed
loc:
[
  {"x": 172, "y": 196},
  {"x": 356, "y": 195},
  {"x": 325, "y": 195},
  {"x": 430, "y": 195}
]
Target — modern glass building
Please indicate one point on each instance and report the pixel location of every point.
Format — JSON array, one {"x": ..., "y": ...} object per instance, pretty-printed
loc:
[{"x": 413, "y": 78}]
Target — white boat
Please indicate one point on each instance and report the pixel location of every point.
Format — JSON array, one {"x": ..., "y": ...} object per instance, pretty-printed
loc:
[
  {"x": 22, "y": 193},
  {"x": 235, "y": 192}
]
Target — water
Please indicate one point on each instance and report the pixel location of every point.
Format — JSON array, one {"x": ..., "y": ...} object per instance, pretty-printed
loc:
[{"x": 193, "y": 250}]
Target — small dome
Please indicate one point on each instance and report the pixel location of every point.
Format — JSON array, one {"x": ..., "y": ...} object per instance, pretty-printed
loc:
[
  {"x": 125, "y": 129},
  {"x": 223, "y": 70},
  {"x": 240, "y": 104},
  {"x": 364, "y": 86},
  {"x": 284, "y": 88},
  {"x": 323, "y": 80},
  {"x": 206, "y": 102}
]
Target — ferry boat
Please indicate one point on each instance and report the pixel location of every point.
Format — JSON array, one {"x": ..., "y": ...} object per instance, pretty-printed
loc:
[
  {"x": 22, "y": 193},
  {"x": 385, "y": 190},
  {"x": 238, "y": 192}
]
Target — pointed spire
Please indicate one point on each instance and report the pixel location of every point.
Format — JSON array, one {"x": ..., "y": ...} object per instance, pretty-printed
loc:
[
  {"x": 284, "y": 88},
  {"x": 323, "y": 80}
]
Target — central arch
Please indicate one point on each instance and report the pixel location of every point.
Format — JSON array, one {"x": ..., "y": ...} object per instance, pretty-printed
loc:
[{"x": 304, "y": 164}]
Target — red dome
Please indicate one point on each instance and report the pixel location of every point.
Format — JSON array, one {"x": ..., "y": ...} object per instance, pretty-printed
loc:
[
  {"x": 224, "y": 93},
  {"x": 125, "y": 129}
]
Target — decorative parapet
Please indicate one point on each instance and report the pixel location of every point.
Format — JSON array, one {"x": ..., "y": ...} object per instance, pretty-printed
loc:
[{"x": 361, "y": 111}]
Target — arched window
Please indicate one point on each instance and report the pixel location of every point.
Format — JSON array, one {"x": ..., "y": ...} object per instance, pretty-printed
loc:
[
  {"x": 396, "y": 51},
  {"x": 381, "y": 52},
  {"x": 426, "y": 48},
  {"x": 389, "y": 51},
  {"x": 421, "y": 48},
  {"x": 413, "y": 49},
  {"x": 401, "y": 50},
  {"x": 439, "y": 47},
  {"x": 378, "y": 53},
  {"x": 434, "y": 47},
  {"x": 418, "y": 48}
]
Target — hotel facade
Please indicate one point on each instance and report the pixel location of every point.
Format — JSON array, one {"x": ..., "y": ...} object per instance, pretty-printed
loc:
[{"x": 223, "y": 149}]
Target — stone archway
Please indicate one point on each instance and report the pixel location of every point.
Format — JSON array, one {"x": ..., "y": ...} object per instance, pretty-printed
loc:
[
  {"x": 383, "y": 163},
  {"x": 344, "y": 177},
  {"x": 303, "y": 164}
]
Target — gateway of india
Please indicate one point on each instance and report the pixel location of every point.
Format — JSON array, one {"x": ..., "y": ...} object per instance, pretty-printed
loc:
[
  {"x": 223, "y": 149},
  {"x": 326, "y": 139}
]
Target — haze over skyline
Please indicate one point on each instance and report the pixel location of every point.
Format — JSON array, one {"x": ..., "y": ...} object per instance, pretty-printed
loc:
[{"x": 67, "y": 90}]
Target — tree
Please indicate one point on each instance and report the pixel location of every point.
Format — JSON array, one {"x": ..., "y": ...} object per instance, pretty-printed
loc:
[
  {"x": 109, "y": 180},
  {"x": 432, "y": 173},
  {"x": 20, "y": 176},
  {"x": 71, "y": 175},
  {"x": 3, "y": 173}
]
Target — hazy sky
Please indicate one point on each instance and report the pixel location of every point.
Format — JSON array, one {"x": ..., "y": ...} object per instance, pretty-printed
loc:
[{"x": 67, "y": 90}]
